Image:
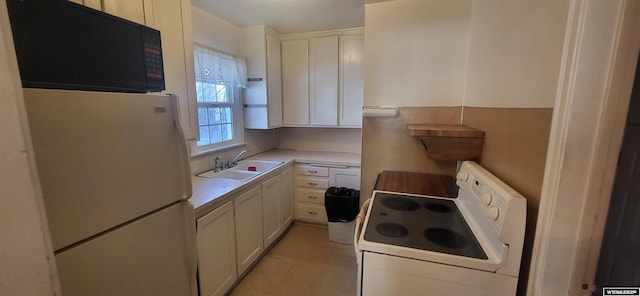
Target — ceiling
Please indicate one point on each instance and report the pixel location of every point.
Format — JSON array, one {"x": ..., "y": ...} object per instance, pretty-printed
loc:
[{"x": 288, "y": 16}]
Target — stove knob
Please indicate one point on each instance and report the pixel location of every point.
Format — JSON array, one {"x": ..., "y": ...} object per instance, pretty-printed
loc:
[
  {"x": 486, "y": 198},
  {"x": 494, "y": 213},
  {"x": 462, "y": 176}
]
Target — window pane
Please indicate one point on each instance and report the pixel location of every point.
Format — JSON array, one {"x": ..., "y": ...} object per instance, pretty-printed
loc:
[
  {"x": 202, "y": 116},
  {"x": 204, "y": 136},
  {"x": 221, "y": 93},
  {"x": 214, "y": 115},
  {"x": 227, "y": 132},
  {"x": 216, "y": 136},
  {"x": 227, "y": 115}
]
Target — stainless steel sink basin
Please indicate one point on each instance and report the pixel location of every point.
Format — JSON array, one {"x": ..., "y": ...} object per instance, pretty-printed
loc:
[
  {"x": 232, "y": 174},
  {"x": 256, "y": 165}
]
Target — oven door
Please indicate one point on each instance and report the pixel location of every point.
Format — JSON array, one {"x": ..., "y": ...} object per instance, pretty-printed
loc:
[{"x": 383, "y": 275}]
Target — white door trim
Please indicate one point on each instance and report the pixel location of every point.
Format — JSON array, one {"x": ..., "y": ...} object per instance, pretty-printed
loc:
[{"x": 599, "y": 58}]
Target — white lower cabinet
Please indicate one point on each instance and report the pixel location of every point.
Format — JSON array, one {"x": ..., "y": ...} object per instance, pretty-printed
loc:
[
  {"x": 233, "y": 236},
  {"x": 249, "y": 233},
  {"x": 286, "y": 198},
  {"x": 217, "y": 251},
  {"x": 348, "y": 177},
  {"x": 312, "y": 181},
  {"x": 271, "y": 210}
]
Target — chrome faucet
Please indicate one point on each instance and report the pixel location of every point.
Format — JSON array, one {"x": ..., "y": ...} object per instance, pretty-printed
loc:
[
  {"x": 234, "y": 162},
  {"x": 219, "y": 166}
]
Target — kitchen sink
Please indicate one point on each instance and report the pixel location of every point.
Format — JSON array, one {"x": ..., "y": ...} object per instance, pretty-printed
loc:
[
  {"x": 256, "y": 165},
  {"x": 232, "y": 174},
  {"x": 244, "y": 171}
]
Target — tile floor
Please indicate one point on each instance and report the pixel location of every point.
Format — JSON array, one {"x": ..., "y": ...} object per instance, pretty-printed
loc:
[{"x": 304, "y": 262}]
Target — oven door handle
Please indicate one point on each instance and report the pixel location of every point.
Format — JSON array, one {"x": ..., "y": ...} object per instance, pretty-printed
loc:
[{"x": 359, "y": 226}]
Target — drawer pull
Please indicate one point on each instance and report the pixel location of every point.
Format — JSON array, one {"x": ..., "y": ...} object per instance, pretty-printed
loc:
[
  {"x": 312, "y": 172},
  {"x": 312, "y": 213},
  {"x": 312, "y": 197},
  {"x": 313, "y": 184}
]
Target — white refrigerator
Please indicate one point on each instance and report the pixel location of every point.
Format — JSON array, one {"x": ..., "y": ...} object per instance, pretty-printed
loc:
[{"x": 115, "y": 179}]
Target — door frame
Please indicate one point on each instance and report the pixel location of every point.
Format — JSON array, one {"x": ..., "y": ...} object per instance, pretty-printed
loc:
[{"x": 601, "y": 46}]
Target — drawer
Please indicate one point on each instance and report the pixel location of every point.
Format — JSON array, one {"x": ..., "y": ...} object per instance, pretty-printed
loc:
[
  {"x": 312, "y": 182},
  {"x": 309, "y": 170},
  {"x": 311, "y": 212},
  {"x": 311, "y": 195}
]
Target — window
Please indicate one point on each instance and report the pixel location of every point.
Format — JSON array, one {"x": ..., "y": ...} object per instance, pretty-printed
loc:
[{"x": 219, "y": 82}]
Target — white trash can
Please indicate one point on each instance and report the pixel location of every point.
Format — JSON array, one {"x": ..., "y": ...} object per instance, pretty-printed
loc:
[{"x": 342, "y": 232}]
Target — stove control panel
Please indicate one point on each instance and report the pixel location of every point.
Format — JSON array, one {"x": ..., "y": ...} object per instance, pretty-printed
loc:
[{"x": 492, "y": 198}]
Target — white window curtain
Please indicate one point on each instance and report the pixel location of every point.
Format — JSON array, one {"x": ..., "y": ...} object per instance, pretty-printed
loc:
[{"x": 218, "y": 68}]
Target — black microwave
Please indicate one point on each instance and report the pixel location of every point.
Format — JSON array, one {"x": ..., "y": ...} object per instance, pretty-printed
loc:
[{"x": 63, "y": 45}]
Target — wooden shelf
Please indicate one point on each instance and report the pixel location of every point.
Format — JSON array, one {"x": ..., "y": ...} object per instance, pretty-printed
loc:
[{"x": 449, "y": 142}]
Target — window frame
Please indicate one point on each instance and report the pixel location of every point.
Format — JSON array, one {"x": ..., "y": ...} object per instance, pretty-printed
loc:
[{"x": 237, "y": 121}]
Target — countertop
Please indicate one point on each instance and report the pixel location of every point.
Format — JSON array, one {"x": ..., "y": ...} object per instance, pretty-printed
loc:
[
  {"x": 417, "y": 183},
  {"x": 210, "y": 193}
]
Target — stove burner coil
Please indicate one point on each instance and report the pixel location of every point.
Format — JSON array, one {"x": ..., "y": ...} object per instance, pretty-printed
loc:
[
  {"x": 400, "y": 203},
  {"x": 437, "y": 207},
  {"x": 392, "y": 230},
  {"x": 446, "y": 238}
]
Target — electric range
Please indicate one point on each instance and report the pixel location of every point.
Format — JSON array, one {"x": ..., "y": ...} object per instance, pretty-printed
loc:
[{"x": 469, "y": 244}]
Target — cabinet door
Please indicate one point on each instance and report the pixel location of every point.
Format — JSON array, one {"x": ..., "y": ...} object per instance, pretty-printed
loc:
[
  {"x": 271, "y": 210},
  {"x": 248, "y": 210},
  {"x": 349, "y": 178},
  {"x": 351, "y": 80},
  {"x": 295, "y": 82},
  {"x": 173, "y": 19},
  {"x": 95, "y": 4},
  {"x": 286, "y": 198},
  {"x": 323, "y": 85},
  {"x": 274, "y": 81},
  {"x": 132, "y": 10},
  {"x": 263, "y": 95},
  {"x": 217, "y": 251}
]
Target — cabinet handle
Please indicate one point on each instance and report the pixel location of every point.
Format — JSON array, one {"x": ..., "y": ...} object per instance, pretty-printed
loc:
[
  {"x": 312, "y": 197},
  {"x": 313, "y": 213},
  {"x": 313, "y": 184},
  {"x": 312, "y": 172}
]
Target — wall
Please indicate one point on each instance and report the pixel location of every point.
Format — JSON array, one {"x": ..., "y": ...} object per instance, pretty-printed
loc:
[
  {"x": 218, "y": 34},
  {"x": 319, "y": 139},
  {"x": 26, "y": 268},
  {"x": 416, "y": 52}
]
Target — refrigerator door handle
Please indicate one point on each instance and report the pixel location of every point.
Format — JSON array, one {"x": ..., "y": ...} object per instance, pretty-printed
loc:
[{"x": 185, "y": 160}]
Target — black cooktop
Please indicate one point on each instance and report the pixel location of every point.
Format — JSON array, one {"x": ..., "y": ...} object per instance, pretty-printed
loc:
[{"x": 425, "y": 223}]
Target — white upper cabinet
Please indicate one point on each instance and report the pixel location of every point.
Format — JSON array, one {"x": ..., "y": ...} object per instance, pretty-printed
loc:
[
  {"x": 295, "y": 82},
  {"x": 263, "y": 95},
  {"x": 173, "y": 19},
  {"x": 133, "y": 10},
  {"x": 323, "y": 82},
  {"x": 351, "y": 80},
  {"x": 322, "y": 78},
  {"x": 95, "y": 4}
]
